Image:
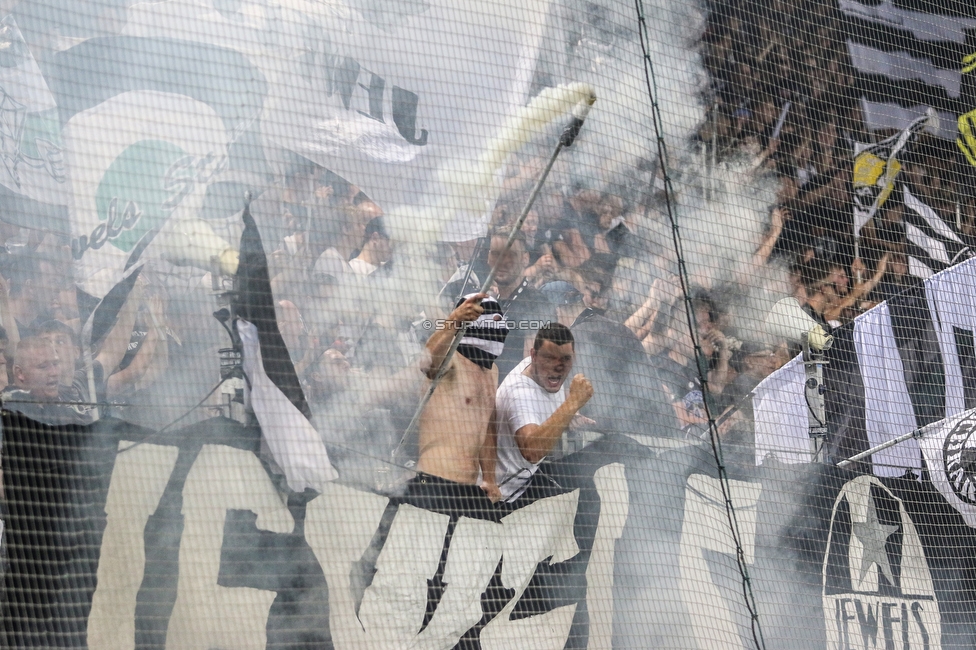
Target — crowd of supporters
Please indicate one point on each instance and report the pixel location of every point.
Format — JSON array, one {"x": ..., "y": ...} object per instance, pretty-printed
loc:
[
  {"x": 782, "y": 94},
  {"x": 787, "y": 61}
]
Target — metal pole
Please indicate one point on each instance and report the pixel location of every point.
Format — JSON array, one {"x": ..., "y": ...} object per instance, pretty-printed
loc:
[
  {"x": 917, "y": 433},
  {"x": 813, "y": 388},
  {"x": 565, "y": 140},
  {"x": 711, "y": 170}
]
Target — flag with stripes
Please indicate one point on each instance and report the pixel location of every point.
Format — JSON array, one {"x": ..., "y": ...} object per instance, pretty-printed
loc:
[
  {"x": 876, "y": 167},
  {"x": 902, "y": 366},
  {"x": 966, "y": 138},
  {"x": 933, "y": 244},
  {"x": 907, "y": 56},
  {"x": 34, "y": 186},
  {"x": 274, "y": 391}
]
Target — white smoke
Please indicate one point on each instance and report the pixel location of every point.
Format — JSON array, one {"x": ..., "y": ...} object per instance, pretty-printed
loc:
[
  {"x": 722, "y": 212},
  {"x": 393, "y": 303}
]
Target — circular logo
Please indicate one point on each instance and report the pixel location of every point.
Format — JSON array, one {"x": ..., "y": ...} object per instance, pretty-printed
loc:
[
  {"x": 959, "y": 458},
  {"x": 132, "y": 196}
]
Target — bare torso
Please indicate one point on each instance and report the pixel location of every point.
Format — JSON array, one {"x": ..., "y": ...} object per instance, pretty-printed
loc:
[{"x": 454, "y": 425}]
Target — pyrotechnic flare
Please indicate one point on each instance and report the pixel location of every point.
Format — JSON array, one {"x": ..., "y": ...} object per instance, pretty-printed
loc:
[
  {"x": 532, "y": 116},
  {"x": 192, "y": 242}
]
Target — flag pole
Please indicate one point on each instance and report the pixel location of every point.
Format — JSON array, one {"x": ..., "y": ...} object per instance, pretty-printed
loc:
[
  {"x": 565, "y": 140},
  {"x": 915, "y": 433}
]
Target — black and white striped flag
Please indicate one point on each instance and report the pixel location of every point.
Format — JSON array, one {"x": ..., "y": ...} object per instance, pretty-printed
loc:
[
  {"x": 903, "y": 365},
  {"x": 933, "y": 245},
  {"x": 907, "y": 56}
]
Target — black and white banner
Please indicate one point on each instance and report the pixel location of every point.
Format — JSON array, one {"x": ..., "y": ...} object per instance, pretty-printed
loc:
[
  {"x": 950, "y": 456},
  {"x": 933, "y": 244},
  {"x": 118, "y": 537},
  {"x": 907, "y": 59},
  {"x": 903, "y": 365}
]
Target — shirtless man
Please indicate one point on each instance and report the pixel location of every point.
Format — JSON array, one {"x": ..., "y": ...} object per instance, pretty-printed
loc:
[
  {"x": 454, "y": 426},
  {"x": 454, "y": 429}
]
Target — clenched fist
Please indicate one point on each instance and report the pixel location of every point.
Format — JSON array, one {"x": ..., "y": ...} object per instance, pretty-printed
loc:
[{"x": 580, "y": 391}]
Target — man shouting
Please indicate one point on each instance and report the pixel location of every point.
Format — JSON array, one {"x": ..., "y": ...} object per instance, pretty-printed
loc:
[{"x": 534, "y": 408}]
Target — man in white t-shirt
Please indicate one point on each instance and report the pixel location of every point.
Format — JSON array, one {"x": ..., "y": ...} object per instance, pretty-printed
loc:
[
  {"x": 376, "y": 250},
  {"x": 534, "y": 408}
]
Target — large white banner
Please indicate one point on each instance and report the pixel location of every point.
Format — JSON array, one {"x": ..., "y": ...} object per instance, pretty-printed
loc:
[
  {"x": 403, "y": 89},
  {"x": 138, "y": 160},
  {"x": 383, "y": 96},
  {"x": 30, "y": 139}
]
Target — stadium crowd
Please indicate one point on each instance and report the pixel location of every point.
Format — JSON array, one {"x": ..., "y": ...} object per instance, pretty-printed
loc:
[{"x": 782, "y": 94}]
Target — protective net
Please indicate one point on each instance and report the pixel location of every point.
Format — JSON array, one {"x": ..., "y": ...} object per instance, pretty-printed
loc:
[{"x": 351, "y": 324}]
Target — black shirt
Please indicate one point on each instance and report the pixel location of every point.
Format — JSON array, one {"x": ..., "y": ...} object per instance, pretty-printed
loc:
[
  {"x": 526, "y": 310},
  {"x": 627, "y": 393},
  {"x": 70, "y": 408}
]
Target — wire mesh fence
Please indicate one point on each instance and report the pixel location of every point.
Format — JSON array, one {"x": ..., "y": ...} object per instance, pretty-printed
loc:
[{"x": 563, "y": 324}]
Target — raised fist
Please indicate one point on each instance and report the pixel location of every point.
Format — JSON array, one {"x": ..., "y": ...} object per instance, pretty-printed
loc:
[{"x": 580, "y": 391}]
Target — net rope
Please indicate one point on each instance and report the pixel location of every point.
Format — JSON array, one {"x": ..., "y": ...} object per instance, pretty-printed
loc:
[{"x": 713, "y": 433}]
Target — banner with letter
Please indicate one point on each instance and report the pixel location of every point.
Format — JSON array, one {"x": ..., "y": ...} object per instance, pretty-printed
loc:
[
  {"x": 183, "y": 540},
  {"x": 401, "y": 90},
  {"x": 905, "y": 364}
]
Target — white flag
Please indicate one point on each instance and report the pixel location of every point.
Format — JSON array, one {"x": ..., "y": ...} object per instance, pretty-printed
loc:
[
  {"x": 294, "y": 443},
  {"x": 31, "y": 152},
  {"x": 781, "y": 416},
  {"x": 949, "y": 448},
  {"x": 137, "y": 160},
  {"x": 383, "y": 97}
]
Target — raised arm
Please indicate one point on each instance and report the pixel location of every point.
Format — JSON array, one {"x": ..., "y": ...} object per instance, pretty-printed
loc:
[
  {"x": 642, "y": 321},
  {"x": 119, "y": 381},
  {"x": 9, "y": 322},
  {"x": 571, "y": 250},
  {"x": 440, "y": 341},
  {"x": 777, "y": 221},
  {"x": 860, "y": 290},
  {"x": 152, "y": 358},
  {"x": 535, "y": 441},
  {"x": 117, "y": 340}
]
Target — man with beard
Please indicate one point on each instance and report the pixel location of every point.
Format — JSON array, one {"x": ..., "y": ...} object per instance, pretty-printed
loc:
[
  {"x": 520, "y": 301},
  {"x": 534, "y": 408}
]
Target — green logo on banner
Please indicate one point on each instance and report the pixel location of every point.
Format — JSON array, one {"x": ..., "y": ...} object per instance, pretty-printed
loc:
[{"x": 134, "y": 196}]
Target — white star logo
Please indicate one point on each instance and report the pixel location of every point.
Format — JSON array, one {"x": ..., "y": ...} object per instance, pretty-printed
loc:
[{"x": 873, "y": 535}]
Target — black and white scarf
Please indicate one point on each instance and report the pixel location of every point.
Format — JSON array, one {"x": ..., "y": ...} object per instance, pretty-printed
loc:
[{"x": 484, "y": 338}]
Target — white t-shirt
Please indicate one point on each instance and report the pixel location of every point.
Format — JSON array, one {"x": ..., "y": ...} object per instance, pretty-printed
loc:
[
  {"x": 330, "y": 262},
  {"x": 520, "y": 402},
  {"x": 362, "y": 267}
]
